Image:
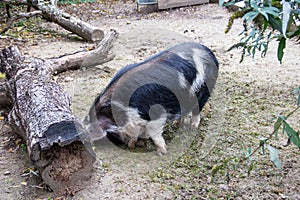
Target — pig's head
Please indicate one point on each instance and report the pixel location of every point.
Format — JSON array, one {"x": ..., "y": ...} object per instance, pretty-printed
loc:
[
  {"x": 102, "y": 125},
  {"x": 94, "y": 128}
]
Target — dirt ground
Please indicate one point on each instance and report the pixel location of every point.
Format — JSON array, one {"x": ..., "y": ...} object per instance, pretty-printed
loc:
[{"x": 201, "y": 164}]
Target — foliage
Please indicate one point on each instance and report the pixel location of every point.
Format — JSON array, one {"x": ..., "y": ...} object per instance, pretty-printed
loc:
[
  {"x": 280, "y": 123},
  {"x": 264, "y": 21}
]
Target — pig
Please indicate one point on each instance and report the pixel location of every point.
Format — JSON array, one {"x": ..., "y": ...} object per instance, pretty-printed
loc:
[{"x": 141, "y": 98}]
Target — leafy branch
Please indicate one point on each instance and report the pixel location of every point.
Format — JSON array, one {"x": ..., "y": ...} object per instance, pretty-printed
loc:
[
  {"x": 265, "y": 21},
  {"x": 293, "y": 136}
]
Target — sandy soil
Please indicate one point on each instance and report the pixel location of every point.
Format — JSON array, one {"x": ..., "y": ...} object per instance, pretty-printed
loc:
[{"x": 201, "y": 164}]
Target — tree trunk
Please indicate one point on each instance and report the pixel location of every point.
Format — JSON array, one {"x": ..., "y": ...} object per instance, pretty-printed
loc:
[
  {"x": 70, "y": 23},
  {"x": 56, "y": 141}
]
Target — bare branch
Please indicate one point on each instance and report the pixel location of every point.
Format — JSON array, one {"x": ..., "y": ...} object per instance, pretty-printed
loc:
[{"x": 95, "y": 57}]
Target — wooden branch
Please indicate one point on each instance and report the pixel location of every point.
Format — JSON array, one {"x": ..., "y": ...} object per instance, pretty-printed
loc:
[
  {"x": 56, "y": 141},
  {"x": 19, "y": 16},
  {"x": 86, "y": 31},
  {"x": 92, "y": 58}
]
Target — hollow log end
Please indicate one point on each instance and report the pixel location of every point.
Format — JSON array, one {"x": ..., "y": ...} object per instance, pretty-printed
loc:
[
  {"x": 63, "y": 133},
  {"x": 97, "y": 35},
  {"x": 64, "y": 157},
  {"x": 70, "y": 169}
]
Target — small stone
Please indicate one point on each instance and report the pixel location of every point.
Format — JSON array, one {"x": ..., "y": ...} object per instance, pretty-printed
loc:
[
  {"x": 24, "y": 183},
  {"x": 69, "y": 79},
  {"x": 7, "y": 173}
]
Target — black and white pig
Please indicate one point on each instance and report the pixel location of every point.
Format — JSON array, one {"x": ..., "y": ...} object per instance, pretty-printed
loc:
[{"x": 142, "y": 97}]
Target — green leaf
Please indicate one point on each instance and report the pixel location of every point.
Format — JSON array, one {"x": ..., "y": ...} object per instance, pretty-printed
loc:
[
  {"x": 277, "y": 125},
  {"x": 293, "y": 33},
  {"x": 282, "y": 117},
  {"x": 275, "y": 23},
  {"x": 228, "y": 4},
  {"x": 262, "y": 142},
  {"x": 250, "y": 16},
  {"x": 266, "y": 23},
  {"x": 221, "y": 2},
  {"x": 264, "y": 52},
  {"x": 293, "y": 135},
  {"x": 250, "y": 168},
  {"x": 236, "y": 46},
  {"x": 248, "y": 154},
  {"x": 253, "y": 4},
  {"x": 286, "y": 12},
  {"x": 253, "y": 52},
  {"x": 297, "y": 92},
  {"x": 274, "y": 156},
  {"x": 280, "y": 49},
  {"x": 271, "y": 10},
  {"x": 264, "y": 14},
  {"x": 249, "y": 151}
]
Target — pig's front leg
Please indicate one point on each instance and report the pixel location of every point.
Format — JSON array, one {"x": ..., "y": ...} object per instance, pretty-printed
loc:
[
  {"x": 195, "y": 119},
  {"x": 154, "y": 130},
  {"x": 159, "y": 144},
  {"x": 131, "y": 143}
]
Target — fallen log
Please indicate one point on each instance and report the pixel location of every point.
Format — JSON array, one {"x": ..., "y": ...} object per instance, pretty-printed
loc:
[
  {"x": 53, "y": 14},
  {"x": 57, "y": 143},
  {"x": 86, "y": 59}
]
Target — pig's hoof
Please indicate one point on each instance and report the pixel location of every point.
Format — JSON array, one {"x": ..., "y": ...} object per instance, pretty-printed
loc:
[
  {"x": 131, "y": 144},
  {"x": 161, "y": 151},
  {"x": 140, "y": 143},
  {"x": 195, "y": 125}
]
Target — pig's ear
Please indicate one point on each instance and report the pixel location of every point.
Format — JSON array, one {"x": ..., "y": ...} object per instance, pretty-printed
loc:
[
  {"x": 96, "y": 132},
  {"x": 106, "y": 111},
  {"x": 86, "y": 120}
]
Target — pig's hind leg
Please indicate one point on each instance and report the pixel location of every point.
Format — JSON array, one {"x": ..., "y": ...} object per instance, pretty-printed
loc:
[{"x": 202, "y": 96}]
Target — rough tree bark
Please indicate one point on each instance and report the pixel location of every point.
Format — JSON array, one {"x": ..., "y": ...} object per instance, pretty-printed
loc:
[
  {"x": 56, "y": 141},
  {"x": 4, "y": 100}
]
